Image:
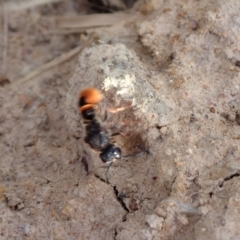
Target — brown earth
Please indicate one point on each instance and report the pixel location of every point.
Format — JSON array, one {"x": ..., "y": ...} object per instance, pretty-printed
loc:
[{"x": 175, "y": 67}]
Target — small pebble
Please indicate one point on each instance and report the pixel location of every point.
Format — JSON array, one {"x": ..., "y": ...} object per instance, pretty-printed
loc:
[
  {"x": 237, "y": 63},
  {"x": 212, "y": 110}
]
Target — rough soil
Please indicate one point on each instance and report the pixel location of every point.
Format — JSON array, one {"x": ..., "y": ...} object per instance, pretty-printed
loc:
[{"x": 175, "y": 66}]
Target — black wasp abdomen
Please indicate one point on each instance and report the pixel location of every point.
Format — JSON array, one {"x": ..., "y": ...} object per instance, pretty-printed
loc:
[{"x": 96, "y": 137}]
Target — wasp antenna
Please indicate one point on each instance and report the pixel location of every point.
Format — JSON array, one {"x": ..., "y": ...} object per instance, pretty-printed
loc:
[
  {"x": 133, "y": 155},
  {"x": 107, "y": 173}
]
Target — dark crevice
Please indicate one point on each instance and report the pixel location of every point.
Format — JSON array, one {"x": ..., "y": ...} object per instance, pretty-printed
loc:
[
  {"x": 229, "y": 178},
  {"x": 100, "y": 178},
  {"x": 85, "y": 164},
  {"x": 172, "y": 183},
  {"x": 115, "y": 234},
  {"x": 215, "y": 34},
  {"x": 210, "y": 194},
  {"x": 118, "y": 196},
  {"x": 29, "y": 144},
  {"x": 120, "y": 200}
]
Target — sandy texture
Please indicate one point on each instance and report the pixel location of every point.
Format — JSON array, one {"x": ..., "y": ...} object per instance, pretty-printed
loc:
[{"x": 175, "y": 67}]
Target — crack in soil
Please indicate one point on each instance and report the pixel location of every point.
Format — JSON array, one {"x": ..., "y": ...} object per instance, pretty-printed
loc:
[
  {"x": 116, "y": 193},
  {"x": 229, "y": 178},
  {"x": 172, "y": 183},
  {"x": 115, "y": 234},
  {"x": 120, "y": 200},
  {"x": 100, "y": 178}
]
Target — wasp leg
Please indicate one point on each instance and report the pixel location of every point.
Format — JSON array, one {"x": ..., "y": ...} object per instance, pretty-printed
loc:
[
  {"x": 106, "y": 116},
  {"x": 117, "y": 134},
  {"x": 114, "y": 110}
]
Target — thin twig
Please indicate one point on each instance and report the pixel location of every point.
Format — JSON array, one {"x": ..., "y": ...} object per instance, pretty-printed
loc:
[
  {"x": 5, "y": 40},
  {"x": 66, "y": 31},
  {"x": 64, "y": 57},
  {"x": 91, "y": 20},
  {"x": 24, "y": 4}
]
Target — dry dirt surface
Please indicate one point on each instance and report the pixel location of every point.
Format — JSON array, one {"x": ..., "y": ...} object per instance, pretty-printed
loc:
[{"x": 175, "y": 68}]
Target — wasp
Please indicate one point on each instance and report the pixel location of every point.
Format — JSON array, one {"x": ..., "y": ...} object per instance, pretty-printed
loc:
[{"x": 96, "y": 136}]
